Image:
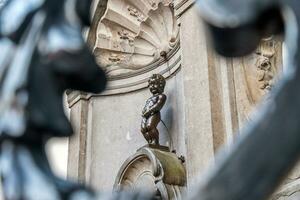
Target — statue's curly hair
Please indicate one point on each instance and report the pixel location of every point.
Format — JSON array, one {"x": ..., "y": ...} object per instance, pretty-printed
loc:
[{"x": 159, "y": 80}]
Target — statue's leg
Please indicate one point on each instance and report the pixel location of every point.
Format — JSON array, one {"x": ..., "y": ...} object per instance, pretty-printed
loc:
[
  {"x": 155, "y": 135},
  {"x": 144, "y": 126},
  {"x": 153, "y": 132},
  {"x": 144, "y": 130}
]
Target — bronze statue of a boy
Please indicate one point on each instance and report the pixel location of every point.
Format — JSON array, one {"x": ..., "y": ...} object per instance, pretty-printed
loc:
[{"x": 151, "y": 111}]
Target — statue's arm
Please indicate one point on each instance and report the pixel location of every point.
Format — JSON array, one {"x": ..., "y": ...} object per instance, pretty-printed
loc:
[
  {"x": 144, "y": 109},
  {"x": 156, "y": 107}
]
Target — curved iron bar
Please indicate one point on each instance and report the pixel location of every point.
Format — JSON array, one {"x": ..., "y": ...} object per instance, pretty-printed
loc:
[
  {"x": 43, "y": 54},
  {"x": 270, "y": 145}
]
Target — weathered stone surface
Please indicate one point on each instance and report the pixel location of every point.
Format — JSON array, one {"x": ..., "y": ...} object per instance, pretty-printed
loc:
[
  {"x": 134, "y": 39},
  {"x": 182, "y": 5},
  {"x": 134, "y": 34},
  {"x": 209, "y": 99},
  {"x": 77, "y": 149},
  {"x": 113, "y": 131},
  {"x": 155, "y": 170},
  {"x": 255, "y": 75},
  {"x": 196, "y": 102},
  {"x": 290, "y": 191}
]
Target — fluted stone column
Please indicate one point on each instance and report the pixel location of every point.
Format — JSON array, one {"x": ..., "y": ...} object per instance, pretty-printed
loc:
[{"x": 210, "y": 110}]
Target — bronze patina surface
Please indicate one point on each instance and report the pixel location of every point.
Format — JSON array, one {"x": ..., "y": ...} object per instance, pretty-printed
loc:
[{"x": 151, "y": 112}]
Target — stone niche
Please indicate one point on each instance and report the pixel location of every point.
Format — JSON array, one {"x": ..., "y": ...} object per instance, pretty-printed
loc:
[
  {"x": 157, "y": 171},
  {"x": 134, "y": 39},
  {"x": 131, "y": 39}
]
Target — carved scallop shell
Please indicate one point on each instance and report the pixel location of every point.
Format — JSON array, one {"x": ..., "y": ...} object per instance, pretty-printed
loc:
[{"x": 134, "y": 34}]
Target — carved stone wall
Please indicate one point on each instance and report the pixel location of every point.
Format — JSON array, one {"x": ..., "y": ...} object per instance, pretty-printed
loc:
[
  {"x": 133, "y": 40},
  {"x": 255, "y": 75},
  {"x": 182, "y": 5},
  {"x": 134, "y": 34},
  {"x": 209, "y": 97}
]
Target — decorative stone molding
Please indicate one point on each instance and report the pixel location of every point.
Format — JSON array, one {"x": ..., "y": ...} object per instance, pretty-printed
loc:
[
  {"x": 134, "y": 39},
  {"x": 255, "y": 75},
  {"x": 266, "y": 69},
  {"x": 132, "y": 83},
  {"x": 262, "y": 67},
  {"x": 134, "y": 34},
  {"x": 74, "y": 96},
  {"x": 158, "y": 170},
  {"x": 289, "y": 191},
  {"x": 181, "y": 6}
]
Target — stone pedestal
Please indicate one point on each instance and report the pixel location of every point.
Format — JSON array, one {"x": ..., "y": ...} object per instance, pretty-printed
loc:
[{"x": 154, "y": 170}]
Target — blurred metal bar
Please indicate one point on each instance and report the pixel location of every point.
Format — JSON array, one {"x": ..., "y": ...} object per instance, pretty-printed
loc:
[{"x": 270, "y": 145}]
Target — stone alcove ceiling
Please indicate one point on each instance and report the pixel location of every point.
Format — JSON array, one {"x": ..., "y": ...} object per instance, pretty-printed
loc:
[{"x": 134, "y": 39}]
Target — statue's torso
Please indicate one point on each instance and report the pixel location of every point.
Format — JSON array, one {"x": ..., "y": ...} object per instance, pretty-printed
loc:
[{"x": 151, "y": 102}]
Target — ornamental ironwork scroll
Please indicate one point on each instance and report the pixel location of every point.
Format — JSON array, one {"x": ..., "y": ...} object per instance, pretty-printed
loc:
[{"x": 42, "y": 47}]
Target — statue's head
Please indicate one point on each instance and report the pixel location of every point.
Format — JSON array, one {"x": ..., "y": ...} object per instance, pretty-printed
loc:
[
  {"x": 237, "y": 26},
  {"x": 157, "y": 84}
]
